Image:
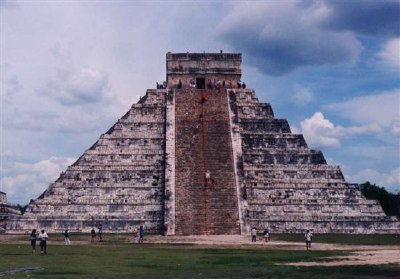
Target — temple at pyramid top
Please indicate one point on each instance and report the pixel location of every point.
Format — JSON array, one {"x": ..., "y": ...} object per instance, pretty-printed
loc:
[{"x": 203, "y": 70}]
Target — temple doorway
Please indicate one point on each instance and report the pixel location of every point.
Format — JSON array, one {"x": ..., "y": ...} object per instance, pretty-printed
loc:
[{"x": 200, "y": 83}]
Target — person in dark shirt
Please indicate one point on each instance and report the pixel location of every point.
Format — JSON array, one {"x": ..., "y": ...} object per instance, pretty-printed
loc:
[
  {"x": 92, "y": 235},
  {"x": 33, "y": 240},
  {"x": 66, "y": 238},
  {"x": 141, "y": 234},
  {"x": 100, "y": 228}
]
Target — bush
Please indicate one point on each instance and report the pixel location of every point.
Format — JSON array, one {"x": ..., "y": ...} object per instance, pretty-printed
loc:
[{"x": 390, "y": 202}]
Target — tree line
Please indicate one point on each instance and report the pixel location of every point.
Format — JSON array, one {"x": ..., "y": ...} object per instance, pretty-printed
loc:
[{"x": 390, "y": 202}]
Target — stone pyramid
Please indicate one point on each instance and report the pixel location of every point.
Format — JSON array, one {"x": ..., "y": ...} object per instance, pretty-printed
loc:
[{"x": 201, "y": 155}]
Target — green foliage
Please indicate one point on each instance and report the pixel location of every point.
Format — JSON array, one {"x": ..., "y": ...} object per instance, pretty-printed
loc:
[
  {"x": 390, "y": 202},
  {"x": 22, "y": 208}
]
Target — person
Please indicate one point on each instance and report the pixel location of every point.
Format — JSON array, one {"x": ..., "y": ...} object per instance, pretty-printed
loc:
[
  {"x": 33, "y": 240},
  {"x": 208, "y": 176},
  {"x": 43, "y": 242},
  {"x": 244, "y": 85},
  {"x": 165, "y": 227},
  {"x": 100, "y": 228},
  {"x": 141, "y": 234},
  {"x": 266, "y": 235},
  {"x": 135, "y": 235},
  {"x": 179, "y": 84},
  {"x": 66, "y": 238},
  {"x": 93, "y": 235},
  {"x": 253, "y": 234},
  {"x": 308, "y": 238}
]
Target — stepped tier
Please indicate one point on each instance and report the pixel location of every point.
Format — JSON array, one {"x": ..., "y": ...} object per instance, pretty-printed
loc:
[
  {"x": 202, "y": 156},
  {"x": 288, "y": 187},
  {"x": 118, "y": 182}
]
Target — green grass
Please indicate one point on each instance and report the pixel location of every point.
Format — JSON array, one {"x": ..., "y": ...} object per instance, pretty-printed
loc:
[
  {"x": 359, "y": 239},
  {"x": 177, "y": 261}
]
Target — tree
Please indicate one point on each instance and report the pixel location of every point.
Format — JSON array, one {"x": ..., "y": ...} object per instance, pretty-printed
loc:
[
  {"x": 22, "y": 208},
  {"x": 390, "y": 202}
]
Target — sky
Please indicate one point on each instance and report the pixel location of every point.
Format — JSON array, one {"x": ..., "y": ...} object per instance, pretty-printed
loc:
[{"x": 70, "y": 69}]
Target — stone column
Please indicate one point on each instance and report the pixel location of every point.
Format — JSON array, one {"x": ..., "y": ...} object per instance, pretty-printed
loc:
[{"x": 169, "y": 203}]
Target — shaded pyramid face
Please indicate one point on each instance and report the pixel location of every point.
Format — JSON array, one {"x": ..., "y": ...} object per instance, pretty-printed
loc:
[
  {"x": 202, "y": 156},
  {"x": 118, "y": 182}
]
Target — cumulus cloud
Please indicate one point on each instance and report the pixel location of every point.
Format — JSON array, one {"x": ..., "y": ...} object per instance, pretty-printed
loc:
[
  {"x": 302, "y": 95},
  {"x": 279, "y": 37},
  {"x": 85, "y": 85},
  {"x": 381, "y": 109},
  {"x": 24, "y": 181},
  {"x": 369, "y": 17},
  {"x": 319, "y": 131},
  {"x": 61, "y": 119},
  {"x": 390, "y": 180},
  {"x": 72, "y": 100},
  {"x": 390, "y": 54}
]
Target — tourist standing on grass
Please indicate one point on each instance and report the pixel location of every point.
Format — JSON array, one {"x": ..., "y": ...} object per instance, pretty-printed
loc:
[
  {"x": 100, "y": 228},
  {"x": 266, "y": 235},
  {"x": 253, "y": 234},
  {"x": 66, "y": 238},
  {"x": 141, "y": 234},
  {"x": 43, "y": 242},
  {"x": 92, "y": 235},
  {"x": 308, "y": 238},
  {"x": 33, "y": 240}
]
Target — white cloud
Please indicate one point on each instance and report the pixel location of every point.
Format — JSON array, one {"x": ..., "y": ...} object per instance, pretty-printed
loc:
[
  {"x": 85, "y": 85},
  {"x": 319, "y": 131},
  {"x": 390, "y": 54},
  {"x": 73, "y": 99},
  {"x": 280, "y": 37},
  {"x": 302, "y": 95},
  {"x": 381, "y": 109},
  {"x": 389, "y": 180},
  {"x": 24, "y": 181}
]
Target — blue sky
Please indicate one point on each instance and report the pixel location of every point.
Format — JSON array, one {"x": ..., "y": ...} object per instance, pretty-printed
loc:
[{"x": 70, "y": 69}]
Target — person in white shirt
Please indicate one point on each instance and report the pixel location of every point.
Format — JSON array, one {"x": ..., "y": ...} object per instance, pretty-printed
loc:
[
  {"x": 43, "y": 238},
  {"x": 308, "y": 238},
  {"x": 253, "y": 234}
]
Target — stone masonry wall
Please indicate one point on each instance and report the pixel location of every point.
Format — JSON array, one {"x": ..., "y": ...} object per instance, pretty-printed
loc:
[
  {"x": 288, "y": 187},
  {"x": 118, "y": 182}
]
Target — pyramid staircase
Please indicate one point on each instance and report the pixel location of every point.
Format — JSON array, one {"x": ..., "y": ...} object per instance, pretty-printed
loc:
[{"x": 203, "y": 144}]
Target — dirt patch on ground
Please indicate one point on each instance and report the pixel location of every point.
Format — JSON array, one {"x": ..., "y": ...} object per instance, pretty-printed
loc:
[{"x": 367, "y": 257}]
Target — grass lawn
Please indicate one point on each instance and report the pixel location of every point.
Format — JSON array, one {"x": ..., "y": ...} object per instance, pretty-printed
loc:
[{"x": 176, "y": 261}]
